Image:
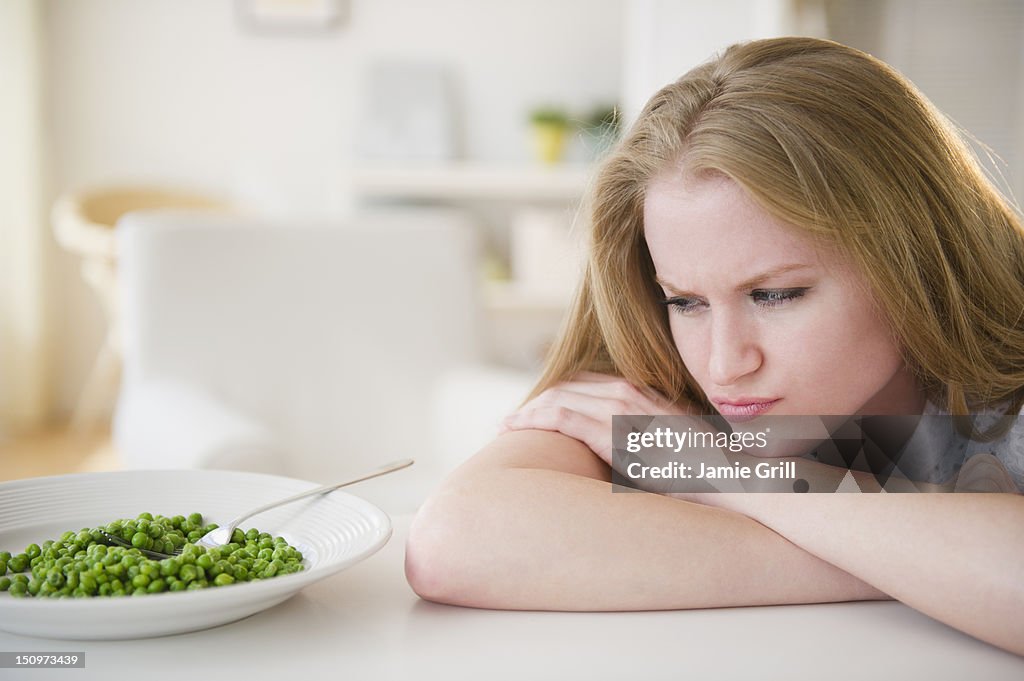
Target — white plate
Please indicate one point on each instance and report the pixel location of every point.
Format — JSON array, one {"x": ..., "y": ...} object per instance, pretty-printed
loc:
[{"x": 333, "y": 532}]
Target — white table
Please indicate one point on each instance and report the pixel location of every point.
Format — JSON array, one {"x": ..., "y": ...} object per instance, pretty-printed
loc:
[{"x": 366, "y": 623}]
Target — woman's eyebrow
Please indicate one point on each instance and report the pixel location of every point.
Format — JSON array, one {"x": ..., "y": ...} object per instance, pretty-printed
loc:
[{"x": 746, "y": 284}]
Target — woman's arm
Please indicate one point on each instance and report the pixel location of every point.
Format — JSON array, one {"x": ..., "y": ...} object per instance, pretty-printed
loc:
[
  {"x": 531, "y": 522},
  {"x": 956, "y": 557}
]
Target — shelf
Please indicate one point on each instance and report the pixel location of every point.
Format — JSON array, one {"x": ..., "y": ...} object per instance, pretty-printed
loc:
[{"x": 461, "y": 181}]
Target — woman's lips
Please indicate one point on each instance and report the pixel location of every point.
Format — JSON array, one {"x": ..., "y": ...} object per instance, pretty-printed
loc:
[{"x": 746, "y": 409}]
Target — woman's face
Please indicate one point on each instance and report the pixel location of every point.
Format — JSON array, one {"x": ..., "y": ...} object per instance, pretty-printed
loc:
[{"x": 766, "y": 321}]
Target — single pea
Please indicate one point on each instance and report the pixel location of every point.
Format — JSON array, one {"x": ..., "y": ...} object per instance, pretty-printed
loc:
[
  {"x": 3, "y": 566},
  {"x": 205, "y": 561},
  {"x": 5, "y": 555},
  {"x": 18, "y": 589},
  {"x": 5, "y": 583},
  {"x": 187, "y": 573},
  {"x": 223, "y": 579},
  {"x": 157, "y": 586},
  {"x": 18, "y": 563},
  {"x": 141, "y": 540},
  {"x": 195, "y": 518},
  {"x": 145, "y": 516}
]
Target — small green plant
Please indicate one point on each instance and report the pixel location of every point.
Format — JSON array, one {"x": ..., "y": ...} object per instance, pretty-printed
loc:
[{"x": 550, "y": 116}]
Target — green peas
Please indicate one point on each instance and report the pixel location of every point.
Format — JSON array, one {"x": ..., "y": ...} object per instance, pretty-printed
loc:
[
  {"x": 88, "y": 583},
  {"x": 79, "y": 563}
]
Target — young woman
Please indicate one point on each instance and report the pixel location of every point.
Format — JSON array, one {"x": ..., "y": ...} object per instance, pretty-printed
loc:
[{"x": 789, "y": 229}]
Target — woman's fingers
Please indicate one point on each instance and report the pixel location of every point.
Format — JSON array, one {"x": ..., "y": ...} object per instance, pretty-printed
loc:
[
  {"x": 583, "y": 408},
  {"x": 627, "y": 398},
  {"x": 592, "y": 432}
]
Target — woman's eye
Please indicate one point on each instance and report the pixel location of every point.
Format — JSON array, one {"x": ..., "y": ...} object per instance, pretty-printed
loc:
[
  {"x": 774, "y": 297},
  {"x": 684, "y": 305}
]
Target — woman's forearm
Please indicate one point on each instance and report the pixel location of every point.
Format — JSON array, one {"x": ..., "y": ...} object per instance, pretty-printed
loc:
[
  {"x": 532, "y": 523},
  {"x": 956, "y": 557}
]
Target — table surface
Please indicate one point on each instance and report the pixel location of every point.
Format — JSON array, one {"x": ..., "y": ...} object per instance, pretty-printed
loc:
[{"x": 366, "y": 623}]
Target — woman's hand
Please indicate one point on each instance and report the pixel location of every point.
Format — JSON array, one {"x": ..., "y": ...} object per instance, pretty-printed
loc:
[{"x": 583, "y": 408}]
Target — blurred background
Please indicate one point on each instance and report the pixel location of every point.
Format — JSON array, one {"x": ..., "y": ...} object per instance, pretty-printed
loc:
[{"x": 356, "y": 116}]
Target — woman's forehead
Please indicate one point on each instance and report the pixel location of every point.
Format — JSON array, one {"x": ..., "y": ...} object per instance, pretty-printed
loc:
[{"x": 710, "y": 228}]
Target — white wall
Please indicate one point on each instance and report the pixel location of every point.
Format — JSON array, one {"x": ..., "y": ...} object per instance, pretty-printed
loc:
[
  {"x": 176, "y": 91},
  {"x": 666, "y": 38},
  {"x": 24, "y": 331}
]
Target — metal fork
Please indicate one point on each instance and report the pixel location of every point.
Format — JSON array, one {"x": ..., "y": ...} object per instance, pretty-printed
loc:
[{"x": 222, "y": 535}]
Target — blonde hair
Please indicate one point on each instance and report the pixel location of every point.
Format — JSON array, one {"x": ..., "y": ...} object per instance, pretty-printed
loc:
[{"x": 840, "y": 145}]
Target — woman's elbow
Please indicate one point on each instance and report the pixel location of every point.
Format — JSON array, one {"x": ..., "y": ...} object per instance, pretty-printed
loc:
[{"x": 435, "y": 559}]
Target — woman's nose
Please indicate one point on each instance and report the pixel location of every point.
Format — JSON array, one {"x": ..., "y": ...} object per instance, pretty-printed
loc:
[{"x": 734, "y": 351}]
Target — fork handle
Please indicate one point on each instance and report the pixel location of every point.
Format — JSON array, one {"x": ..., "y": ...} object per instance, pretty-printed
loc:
[{"x": 386, "y": 468}]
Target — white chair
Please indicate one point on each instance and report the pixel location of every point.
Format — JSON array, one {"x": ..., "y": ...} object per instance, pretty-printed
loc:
[
  {"x": 84, "y": 224},
  {"x": 308, "y": 350}
]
